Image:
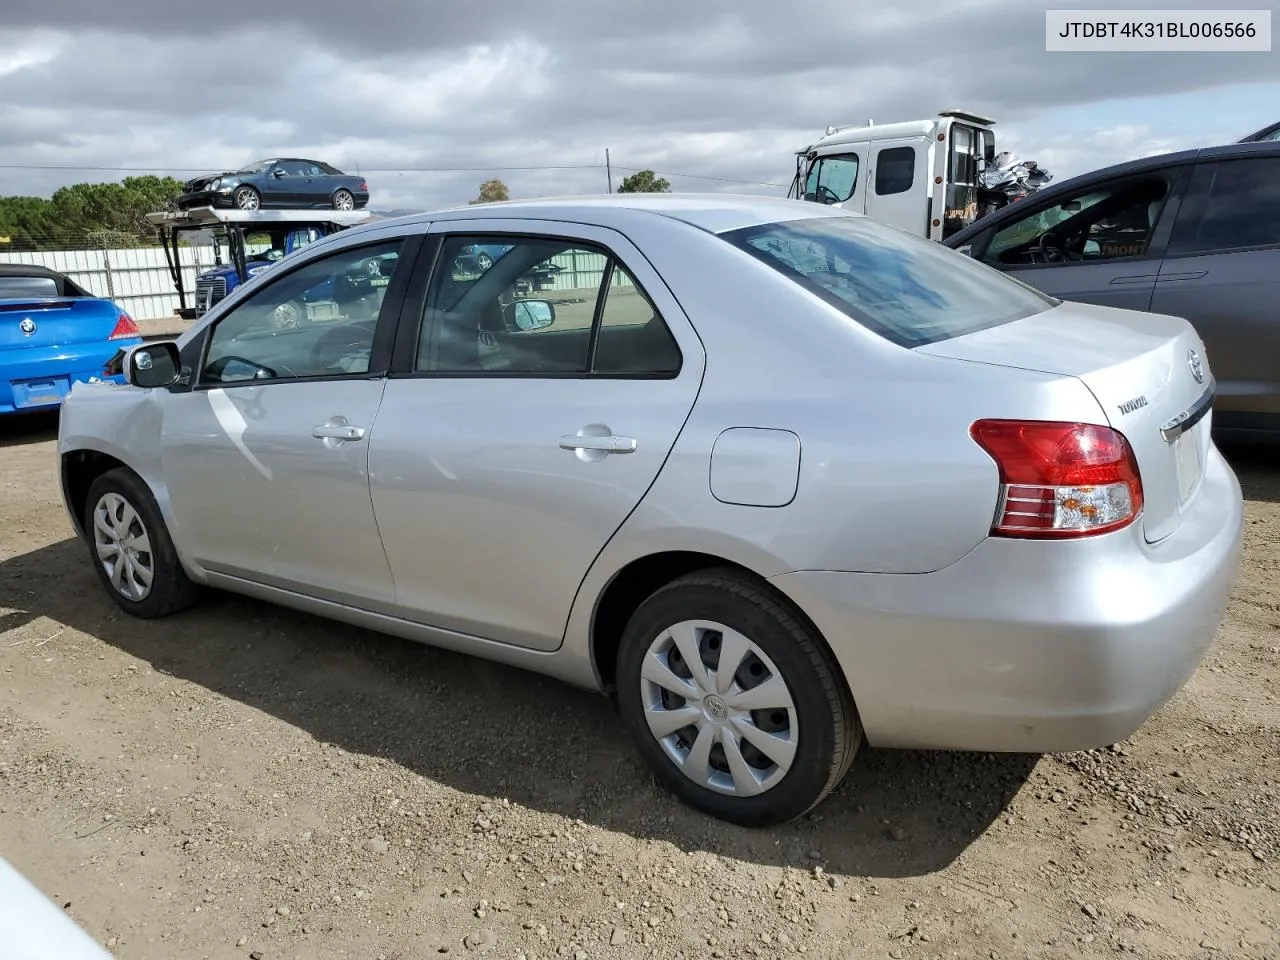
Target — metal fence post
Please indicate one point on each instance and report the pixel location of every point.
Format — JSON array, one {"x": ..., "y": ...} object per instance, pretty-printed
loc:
[{"x": 106, "y": 265}]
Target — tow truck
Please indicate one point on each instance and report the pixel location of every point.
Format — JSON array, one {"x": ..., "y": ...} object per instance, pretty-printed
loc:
[
  {"x": 920, "y": 175},
  {"x": 255, "y": 241}
]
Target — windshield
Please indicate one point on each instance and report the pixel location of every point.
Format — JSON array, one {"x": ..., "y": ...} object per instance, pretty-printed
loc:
[
  {"x": 255, "y": 167},
  {"x": 910, "y": 290}
]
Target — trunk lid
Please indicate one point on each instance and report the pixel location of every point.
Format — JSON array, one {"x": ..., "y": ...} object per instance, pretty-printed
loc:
[
  {"x": 55, "y": 321},
  {"x": 1147, "y": 371}
]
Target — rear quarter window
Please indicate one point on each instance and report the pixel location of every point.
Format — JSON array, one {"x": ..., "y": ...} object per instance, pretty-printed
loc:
[
  {"x": 28, "y": 287},
  {"x": 909, "y": 290}
]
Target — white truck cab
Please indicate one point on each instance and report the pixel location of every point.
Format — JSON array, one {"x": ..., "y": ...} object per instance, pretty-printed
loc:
[{"x": 921, "y": 175}]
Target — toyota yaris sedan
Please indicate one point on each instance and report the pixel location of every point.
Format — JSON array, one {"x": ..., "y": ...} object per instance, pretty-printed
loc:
[{"x": 777, "y": 478}]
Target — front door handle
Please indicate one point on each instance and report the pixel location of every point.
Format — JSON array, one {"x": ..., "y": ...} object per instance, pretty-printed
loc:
[
  {"x": 1196, "y": 275},
  {"x": 337, "y": 431},
  {"x": 600, "y": 444}
]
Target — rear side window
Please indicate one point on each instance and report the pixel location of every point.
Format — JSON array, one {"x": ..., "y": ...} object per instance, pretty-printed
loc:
[
  {"x": 1232, "y": 204},
  {"x": 28, "y": 287},
  {"x": 895, "y": 170},
  {"x": 910, "y": 290}
]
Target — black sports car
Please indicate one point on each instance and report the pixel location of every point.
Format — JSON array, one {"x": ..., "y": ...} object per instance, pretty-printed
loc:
[{"x": 280, "y": 182}]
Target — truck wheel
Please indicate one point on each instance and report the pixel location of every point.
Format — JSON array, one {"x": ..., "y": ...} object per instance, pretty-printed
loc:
[
  {"x": 289, "y": 315},
  {"x": 343, "y": 200},
  {"x": 247, "y": 198}
]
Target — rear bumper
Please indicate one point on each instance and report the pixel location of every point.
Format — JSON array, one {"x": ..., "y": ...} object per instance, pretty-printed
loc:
[
  {"x": 1033, "y": 646},
  {"x": 42, "y": 378}
]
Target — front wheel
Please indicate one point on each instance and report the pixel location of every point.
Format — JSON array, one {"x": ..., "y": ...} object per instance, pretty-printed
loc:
[
  {"x": 247, "y": 198},
  {"x": 736, "y": 704},
  {"x": 131, "y": 548}
]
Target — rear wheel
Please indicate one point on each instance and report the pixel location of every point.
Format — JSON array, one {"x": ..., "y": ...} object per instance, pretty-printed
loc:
[
  {"x": 735, "y": 702},
  {"x": 246, "y": 198},
  {"x": 131, "y": 548},
  {"x": 343, "y": 200}
]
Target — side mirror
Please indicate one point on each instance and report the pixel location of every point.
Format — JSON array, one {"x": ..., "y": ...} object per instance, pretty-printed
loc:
[
  {"x": 533, "y": 314},
  {"x": 278, "y": 173},
  {"x": 152, "y": 364}
]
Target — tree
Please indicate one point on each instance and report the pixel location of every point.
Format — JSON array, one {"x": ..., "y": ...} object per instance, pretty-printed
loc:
[
  {"x": 98, "y": 214},
  {"x": 492, "y": 191},
  {"x": 645, "y": 181}
]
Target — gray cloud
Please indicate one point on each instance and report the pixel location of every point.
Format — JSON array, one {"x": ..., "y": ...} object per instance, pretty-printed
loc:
[{"x": 723, "y": 88}]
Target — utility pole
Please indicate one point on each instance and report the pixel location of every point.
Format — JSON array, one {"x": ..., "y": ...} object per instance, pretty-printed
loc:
[{"x": 608, "y": 169}]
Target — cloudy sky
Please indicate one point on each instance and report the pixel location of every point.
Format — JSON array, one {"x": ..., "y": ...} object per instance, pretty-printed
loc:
[{"x": 429, "y": 98}]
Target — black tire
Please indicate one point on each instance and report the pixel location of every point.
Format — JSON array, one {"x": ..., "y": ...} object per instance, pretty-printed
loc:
[
  {"x": 171, "y": 589},
  {"x": 343, "y": 199},
  {"x": 829, "y": 731},
  {"x": 247, "y": 195}
]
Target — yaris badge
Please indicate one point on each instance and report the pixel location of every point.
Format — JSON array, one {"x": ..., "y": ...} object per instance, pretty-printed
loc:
[
  {"x": 1197, "y": 368},
  {"x": 27, "y": 326}
]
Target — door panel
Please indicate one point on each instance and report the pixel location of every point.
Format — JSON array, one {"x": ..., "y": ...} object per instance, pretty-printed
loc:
[
  {"x": 1222, "y": 274},
  {"x": 257, "y": 495},
  {"x": 897, "y": 189},
  {"x": 496, "y": 490},
  {"x": 266, "y": 458},
  {"x": 1233, "y": 301}
]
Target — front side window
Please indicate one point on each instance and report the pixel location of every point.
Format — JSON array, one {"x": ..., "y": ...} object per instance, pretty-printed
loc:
[
  {"x": 895, "y": 170},
  {"x": 1103, "y": 223},
  {"x": 530, "y": 306},
  {"x": 832, "y": 179},
  {"x": 315, "y": 321},
  {"x": 910, "y": 290},
  {"x": 1232, "y": 204}
]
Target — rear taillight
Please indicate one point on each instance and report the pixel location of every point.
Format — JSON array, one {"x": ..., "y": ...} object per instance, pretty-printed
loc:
[
  {"x": 125, "y": 328},
  {"x": 364, "y": 187},
  {"x": 1061, "y": 479}
]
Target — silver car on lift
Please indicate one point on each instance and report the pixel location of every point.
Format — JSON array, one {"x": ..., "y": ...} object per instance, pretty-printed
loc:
[{"x": 776, "y": 477}]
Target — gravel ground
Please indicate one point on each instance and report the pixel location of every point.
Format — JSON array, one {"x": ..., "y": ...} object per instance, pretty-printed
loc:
[{"x": 246, "y": 782}]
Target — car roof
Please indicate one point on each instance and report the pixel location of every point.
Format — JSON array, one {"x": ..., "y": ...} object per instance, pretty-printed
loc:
[
  {"x": 713, "y": 212},
  {"x": 1229, "y": 151}
]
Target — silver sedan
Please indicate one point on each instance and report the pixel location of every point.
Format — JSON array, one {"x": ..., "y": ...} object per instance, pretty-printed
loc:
[{"x": 777, "y": 478}]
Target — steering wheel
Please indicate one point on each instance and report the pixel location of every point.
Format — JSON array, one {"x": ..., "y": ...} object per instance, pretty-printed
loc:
[
  {"x": 1054, "y": 249},
  {"x": 824, "y": 194}
]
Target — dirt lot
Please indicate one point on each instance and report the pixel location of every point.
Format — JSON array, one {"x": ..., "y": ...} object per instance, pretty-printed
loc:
[{"x": 243, "y": 781}]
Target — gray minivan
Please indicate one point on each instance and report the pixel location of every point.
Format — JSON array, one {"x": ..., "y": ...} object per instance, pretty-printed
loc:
[{"x": 1195, "y": 234}]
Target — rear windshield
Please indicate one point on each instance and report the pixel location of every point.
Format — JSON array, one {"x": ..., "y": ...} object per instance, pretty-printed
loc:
[
  {"x": 909, "y": 290},
  {"x": 28, "y": 287}
]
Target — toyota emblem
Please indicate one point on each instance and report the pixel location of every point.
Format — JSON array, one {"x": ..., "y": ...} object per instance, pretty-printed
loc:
[
  {"x": 1197, "y": 368},
  {"x": 27, "y": 326}
]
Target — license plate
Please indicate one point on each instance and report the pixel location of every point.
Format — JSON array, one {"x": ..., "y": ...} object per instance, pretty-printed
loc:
[
  {"x": 1186, "y": 451},
  {"x": 39, "y": 393}
]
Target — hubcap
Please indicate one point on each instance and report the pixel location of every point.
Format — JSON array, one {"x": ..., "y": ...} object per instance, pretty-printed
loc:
[
  {"x": 248, "y": 200},
  {"x": 124, "y": 547},
  {"x": 719, "y": 708},
  {"x": 345, "y": 201}
]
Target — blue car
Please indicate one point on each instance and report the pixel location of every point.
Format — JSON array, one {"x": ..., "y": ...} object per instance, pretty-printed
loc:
[
  {"x": 290, "y": 182},
  {"x": 52, "y": 334}
]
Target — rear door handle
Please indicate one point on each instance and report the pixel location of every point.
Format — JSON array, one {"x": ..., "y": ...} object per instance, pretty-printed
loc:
[
  {"x": 602, "y": 444},
  {"x": 1147, "y": 278},
  {"x": 1184, "y": 276}
]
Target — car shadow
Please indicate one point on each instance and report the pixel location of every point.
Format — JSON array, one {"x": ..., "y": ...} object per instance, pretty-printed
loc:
[
  {"x": 1257, "y": 465},
  {"x": 495, "y": 731},
  {"x": 23, "y": 429}
]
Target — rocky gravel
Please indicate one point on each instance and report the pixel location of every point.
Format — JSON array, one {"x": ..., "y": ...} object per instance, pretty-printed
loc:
[{"x": 246, "y": 782}]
